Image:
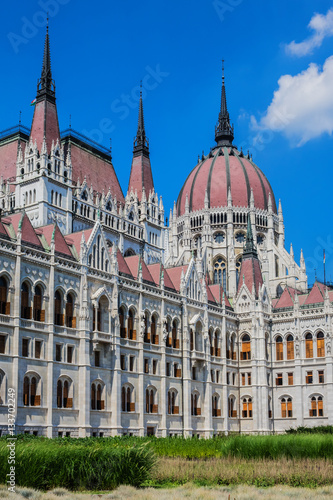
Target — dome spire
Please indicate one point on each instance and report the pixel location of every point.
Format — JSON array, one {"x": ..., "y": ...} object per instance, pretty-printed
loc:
[
  {"x": 224, "y": 131},
  {"x": 141, "y": 143}
]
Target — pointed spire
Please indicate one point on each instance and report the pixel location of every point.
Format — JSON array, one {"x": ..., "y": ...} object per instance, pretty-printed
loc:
[
  {"x": 141, "y": 143},
  {"x": 270, "y": 205},
  {"x": 224, "y": 131},
  {"x": 291, "y": 250},
  {"x": 45, "y": 119},
  {"x": 45, "y": 85},
  {"x": 249, "y": 249}
]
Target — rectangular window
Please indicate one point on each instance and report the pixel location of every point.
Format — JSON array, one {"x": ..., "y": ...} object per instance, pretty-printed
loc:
[
  {"x": 243, "y": 378},
  {"x": 249, "y": 379},
  {"x": 212, "y": 375},
  {"x": 38, "y": 348},
  {"x": 321, "y": 378},
  {"x": 123, "y": 361},
  {"x": 2, "y": 344},
  {"x": 234, "y": 379},
  {"x": 146, "y": 365},
  {"x": 168, "y": 369},
  {"x": 70, "y": 351},
  {"x": 194, "y": 373},
  {"x": 58, "y": 352},
  {"x": 217, "y": 376},
  {"x": 279, "y": 379},
  {"x": 290, "y": 379},
  {"x": 25, "y": 347},
  {"x": 154, "y": 366},
  {"x": 97, "y": 358},
  {"x": 131, "y": 363},
  {"x": 268, "y": 379},
  {"x": 228, "y": 378},
  {"x": 309, "y": 378}
]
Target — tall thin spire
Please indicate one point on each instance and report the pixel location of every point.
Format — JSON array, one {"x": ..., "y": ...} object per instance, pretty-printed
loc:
[
  {"x": 45, "y": 126},
  {"x": 141, "y": 143},
  {"x": 45, "y": 85},
  {"x": 141, "y": 177},
  {"x": 249, "y": 249},
  {"x": 224, "y": 131}
]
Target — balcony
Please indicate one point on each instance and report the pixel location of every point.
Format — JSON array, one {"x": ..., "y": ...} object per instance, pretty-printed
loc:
[
  {"x": 198, "y": 356},
  {"x": 102, "y": 337}
]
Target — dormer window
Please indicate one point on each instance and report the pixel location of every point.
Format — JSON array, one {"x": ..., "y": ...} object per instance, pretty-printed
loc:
[
  {"x": 84, "y": 196},
  {"x": 131, "y": 216},
  {"x": 108, "y": 206}
]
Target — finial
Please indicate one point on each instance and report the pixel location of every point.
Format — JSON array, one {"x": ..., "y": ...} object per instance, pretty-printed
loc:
[
  {"x": 249, "y": 249},
  {"x": 70, "y": 121},
  {"x": 20, "y": 116}
]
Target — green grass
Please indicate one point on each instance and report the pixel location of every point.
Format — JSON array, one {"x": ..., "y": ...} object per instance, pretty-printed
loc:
[
  {"x": 105, "y": 463},
  {"x": 77, "y": 464}
]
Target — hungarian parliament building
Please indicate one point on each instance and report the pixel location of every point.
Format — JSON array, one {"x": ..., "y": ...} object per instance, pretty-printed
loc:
[{"x": 115, "y": 319}]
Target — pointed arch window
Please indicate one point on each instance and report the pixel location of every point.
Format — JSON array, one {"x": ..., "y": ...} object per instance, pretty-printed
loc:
[
  {"x": 151, "y": 407},
  {"x": 70, "y": 320},
  {"x": 246, "y": 348},
  {"x": 25, "y": 301},
  {"x": 290, "y": 347},
  {"x": 279, "y": 348},
  {"x": 97, "y": 403},
  {"x": 130, "y": 325},
  {"x": 220, "y": 273},
  {"x": 232, "y": 412},
  {"x": 195, "y": 409},
  {"x": 216, "y": 411},
  {"x": 58, "y": 314},
  {"x": 308, "y": 345},
  {"x": 30, "y": 396},
  {"x": 38, "y": 313},
  {"x": 320, "y": 345},
  {"x": 172, "y": 408}
]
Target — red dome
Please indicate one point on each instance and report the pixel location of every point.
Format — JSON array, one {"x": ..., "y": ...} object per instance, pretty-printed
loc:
[{"x": 225, "y": 167}]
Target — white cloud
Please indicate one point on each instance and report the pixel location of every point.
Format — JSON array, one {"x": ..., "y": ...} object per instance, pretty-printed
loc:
[
  {"x": 322, "y": 25},
  {"x": 302, "y": 107}
]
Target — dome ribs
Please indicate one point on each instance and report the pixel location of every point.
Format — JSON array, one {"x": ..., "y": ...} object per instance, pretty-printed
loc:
[
  {"x": 248, "y": 187},
  {"x": 180, "y": 209},
  {"x": 210, "y": 174},
  {"x": 262, "y": 185},
  {"x": 193, "y": 183},
  {"x": 227, "y": 170}
]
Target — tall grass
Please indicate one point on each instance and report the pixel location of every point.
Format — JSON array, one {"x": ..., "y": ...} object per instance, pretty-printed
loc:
[
  {"x": 46, "y": 464},
  {"x": 105, "y": 463}
]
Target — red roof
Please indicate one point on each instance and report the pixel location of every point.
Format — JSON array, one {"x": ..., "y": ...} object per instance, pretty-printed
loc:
[
  {"x": 216, "y": 174},
  {"x": 27, "y": 231},
  {"x": 287, "y": 298},
  {"x": 60, "y": 244},
  {"x": 156, "y": 270},
  {"x": 174, "y": 274},
  {"x": 74, "y": 239},
  {"x": 8, "y": 156},
  {"x": 141, "y": 176},
  {"x": 133, "y": 264},
  {"x": 122, "y": 265},
  {"x": 316, "y": 294},
  {"x": 45, "y": 123},
  {"x": 98, "y": 172},
  {"x": 250, "y": 270}
]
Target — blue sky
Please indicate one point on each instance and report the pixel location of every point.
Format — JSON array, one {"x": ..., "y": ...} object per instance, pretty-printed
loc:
[{"x": 100, "y": 52}]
